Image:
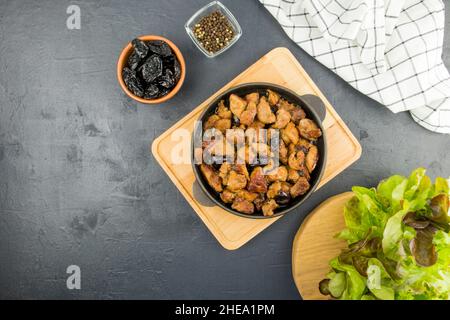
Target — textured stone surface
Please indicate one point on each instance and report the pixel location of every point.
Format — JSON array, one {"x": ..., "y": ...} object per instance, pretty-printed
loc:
[{"x": 79, "y": 186}]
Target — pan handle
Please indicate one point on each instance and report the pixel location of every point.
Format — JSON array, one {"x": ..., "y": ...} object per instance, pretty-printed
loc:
[
  {"x": 317, "y": 104},
  {"x": 200, "y": 195}
]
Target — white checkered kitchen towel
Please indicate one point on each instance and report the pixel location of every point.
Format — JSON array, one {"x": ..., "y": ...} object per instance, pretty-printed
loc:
[{"x": 390, "y": 50}]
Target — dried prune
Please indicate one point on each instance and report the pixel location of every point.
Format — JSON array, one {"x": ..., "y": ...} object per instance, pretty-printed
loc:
[
  {"x": 176, "y": 70},
  {"x": 160, "y": 47},
  {"x": 132, "y": 82},
  {"x": 168, "y": 61},
  {"x": 163, "y": 92},
  {"x": 140, "y": 47},
  {"x": 167, "y": 80},
  {"x": 151, "y": 92},
  {"x": 282, "y": 198},
  {"x": 134, "y": 60},
  {"x": 152, "y": 68}
]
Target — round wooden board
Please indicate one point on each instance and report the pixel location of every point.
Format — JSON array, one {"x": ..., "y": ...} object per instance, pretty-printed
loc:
[{"x": 314, "y": 245}]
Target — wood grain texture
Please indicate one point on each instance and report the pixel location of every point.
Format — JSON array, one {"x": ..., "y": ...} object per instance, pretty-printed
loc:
[
  {"x": 315, "y": 245},
  {"x": 279, "y": 66}
]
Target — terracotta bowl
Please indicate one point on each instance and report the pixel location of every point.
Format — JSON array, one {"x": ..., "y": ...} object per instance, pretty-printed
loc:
[{"x": 123, "y": 61}]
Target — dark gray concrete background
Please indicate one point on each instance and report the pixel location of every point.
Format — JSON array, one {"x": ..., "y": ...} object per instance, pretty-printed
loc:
[{"x": 79, "y": 186}]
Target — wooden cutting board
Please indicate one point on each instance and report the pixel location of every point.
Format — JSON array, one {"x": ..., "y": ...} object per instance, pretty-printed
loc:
[
  {"x": 279, "y": 66},
  {"x": 315, "y": 245}
]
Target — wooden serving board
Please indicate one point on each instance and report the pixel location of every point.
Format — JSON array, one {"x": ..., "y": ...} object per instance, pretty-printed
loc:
[
  {"x": 279, "y": 66},
  {"x": 315, "y": 245}
]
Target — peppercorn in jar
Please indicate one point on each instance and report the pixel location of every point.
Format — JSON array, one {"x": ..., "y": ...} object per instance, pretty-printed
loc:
[{"x": 213, "y": 29}]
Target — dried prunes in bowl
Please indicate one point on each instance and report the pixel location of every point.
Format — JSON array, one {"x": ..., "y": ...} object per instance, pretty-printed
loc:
[{"x": 152, "y": 69}]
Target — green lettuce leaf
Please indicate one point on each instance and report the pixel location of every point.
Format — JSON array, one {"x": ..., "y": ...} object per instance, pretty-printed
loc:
[
  {"x": 356, "y": 284},
  {"x": 441, "y": 186},
  {"x": 379, "y": 281},
  {"x": 337, "y": 284},
  {"x": 392, "y": 235},
  {"x": 386, "y": 194},
  {"x": 390, "y": 270}
]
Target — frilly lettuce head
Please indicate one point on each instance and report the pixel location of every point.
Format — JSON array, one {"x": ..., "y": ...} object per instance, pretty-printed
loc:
[{"x": 398, "y": 242}]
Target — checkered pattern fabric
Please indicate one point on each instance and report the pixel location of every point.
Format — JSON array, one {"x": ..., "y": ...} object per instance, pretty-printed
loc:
[{"x": 390, "y": 50}]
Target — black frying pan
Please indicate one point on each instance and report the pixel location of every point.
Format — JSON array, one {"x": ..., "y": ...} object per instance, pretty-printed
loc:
[{"x": 314, "y": 109}]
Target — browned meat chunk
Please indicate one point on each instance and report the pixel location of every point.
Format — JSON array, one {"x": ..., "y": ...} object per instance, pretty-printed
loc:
[
  {"x": 296, "y": 160},
  {"x": 274, "y": 190},
  {"x": 242, "y": 169},
  {"x": 296, "y": 113},
  {"x": 273, "y": 97},
  {"x": 290, "y": 134},
  {"x": 222, "y": 125},
  {"x": 283, "y": 118},
  {"x": 303, "y": 145},
  {"x": 309, "y": 130},
  {"x": 256, "y": 125},
  {"x": 212, "y": 177},
  {"x": 303, "y": 172},
  {"x": 285, "y": 187},
  {"x": 240, "y": 126},
  {"x": 293, "y": 148},
  {"x": 223, "y": 111},
  {"x": 247, "y": 195},
  {"x": 226, "y": 168},
  {"x": 279, "y": 173},
  {"x": 258, "y": 181},
  {"x": 252, "y": 97},
  {"x": 259, "y": 201},
  {"x": 284, "y": 105},
  {"x": 210, "y": 122},
  {"x": 300, "y": 187},
  {"x": 268, "y": 207},
  {"x": 236, "y": 181},
  {"x": 277, "y": 188},
  {"x": 227, "y": 196},
  {"x": 224, "y": 171},
  {"x": 249, "y": 114},
  {"x": 293, "y": 175},
  {"x": 311, "y": 158},
  {"x": 283, "y": 152},
  {"x": 243, "y": 205},
  {"x": 265, "y": 114},
  {"x": 237, "y": 105}
]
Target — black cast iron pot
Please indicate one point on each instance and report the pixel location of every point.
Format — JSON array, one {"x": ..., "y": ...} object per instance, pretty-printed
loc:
[{"x": 314, "y": 109}]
